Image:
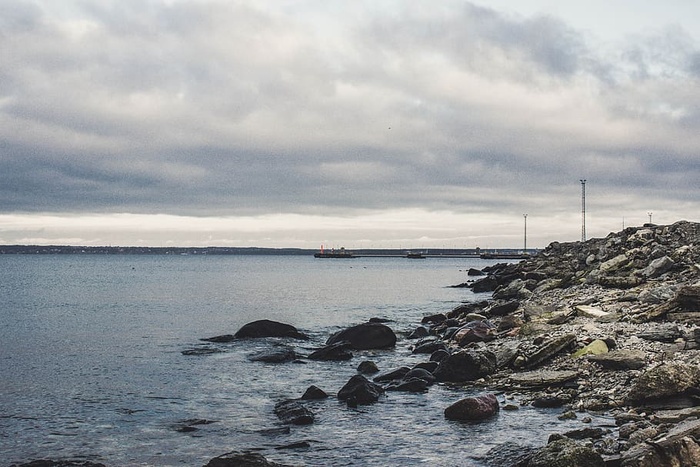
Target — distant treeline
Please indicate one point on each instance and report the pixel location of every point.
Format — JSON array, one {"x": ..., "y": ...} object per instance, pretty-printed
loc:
[{"x": 147, "y": 250}]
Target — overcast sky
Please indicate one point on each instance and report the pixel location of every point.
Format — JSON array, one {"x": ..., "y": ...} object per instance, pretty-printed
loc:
[{"x": 405, "y": 123}]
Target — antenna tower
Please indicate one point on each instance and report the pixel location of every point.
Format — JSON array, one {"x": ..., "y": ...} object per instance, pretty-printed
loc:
[{"x": 583, "y": 209}]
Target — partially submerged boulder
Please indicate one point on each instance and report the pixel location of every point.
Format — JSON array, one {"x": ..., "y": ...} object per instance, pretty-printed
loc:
[
  {"x": 365, "y": 336},
  {"x": 267, "y": 328}
]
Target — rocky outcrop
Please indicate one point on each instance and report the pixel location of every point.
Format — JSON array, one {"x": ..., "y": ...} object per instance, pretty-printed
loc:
[{"x": 365, "y": 336}]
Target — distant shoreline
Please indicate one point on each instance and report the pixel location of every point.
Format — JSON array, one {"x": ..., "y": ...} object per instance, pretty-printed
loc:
[{"x": 149, "y": 250}]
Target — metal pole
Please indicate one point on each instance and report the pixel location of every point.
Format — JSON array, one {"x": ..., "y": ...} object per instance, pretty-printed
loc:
[
  {"x": 650, "y": 213},
  {"x": 583, "y": 209},
  {"x": 525, "y": 235}
]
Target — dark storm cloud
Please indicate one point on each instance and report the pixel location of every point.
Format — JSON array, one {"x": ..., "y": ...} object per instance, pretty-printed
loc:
[{"x": 239, "y": 108}]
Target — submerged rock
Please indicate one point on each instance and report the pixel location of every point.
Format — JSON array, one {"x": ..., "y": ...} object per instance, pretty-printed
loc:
[{"x": 333, "y": 352}]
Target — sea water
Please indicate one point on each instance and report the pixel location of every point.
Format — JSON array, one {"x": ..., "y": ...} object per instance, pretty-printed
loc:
[{"x": 92, "y": 364}]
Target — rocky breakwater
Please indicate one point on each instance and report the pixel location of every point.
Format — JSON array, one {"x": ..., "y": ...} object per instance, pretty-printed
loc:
[{"x": 607, "y": 326}]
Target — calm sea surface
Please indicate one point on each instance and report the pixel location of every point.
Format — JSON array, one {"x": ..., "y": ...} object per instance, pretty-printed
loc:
[{"x": 92, "y": 365}]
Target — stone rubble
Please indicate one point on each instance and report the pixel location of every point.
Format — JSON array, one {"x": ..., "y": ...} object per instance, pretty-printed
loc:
[{"x": 609, "y": 325}]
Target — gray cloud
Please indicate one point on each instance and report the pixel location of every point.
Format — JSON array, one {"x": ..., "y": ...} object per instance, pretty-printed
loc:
[{"x": 225, "y": 108}]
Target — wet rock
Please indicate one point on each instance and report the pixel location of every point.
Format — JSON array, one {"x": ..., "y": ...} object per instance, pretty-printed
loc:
[
  {"x": 367, "y": 368},
  {"x": 566, "y": 453},
  {"x": 665, "y": 380},
  {"x": 222, "y": 339},
  {"x": 419, "y": 332},
  {"x": 508, "y": 454},
  {"x": 620, "y": 360},
  {"x": 429, "y": 345},
  {"x": 393, "y": 375},
  {"x": 333, "y": 352},
  {"x": 242, "y": 459},
  {"x": 280, "y": 354},
  {"x": 409, "y": 385},
  {"x": 428, "y": 366},
  {"x": 360, "y": 391},
  {"x": 420, "y": 373},
  {"x": 314, "y": 393},
  {"x": 473, "y": 408},
  {"x": 292, "y": 412},
  {"x": 365, "y": 336},
  {"x": 466, "y": 365},
  {"x": 474, "y": 272},
  {"x": 586, "y": 433},
  {"x": 434, "y": 319},
  {"x": 267, "y": 328},
  {"x": 201, "y": 351}
]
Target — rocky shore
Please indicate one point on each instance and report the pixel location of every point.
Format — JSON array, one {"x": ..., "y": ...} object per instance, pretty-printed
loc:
[{"x": 608, "y": 326}]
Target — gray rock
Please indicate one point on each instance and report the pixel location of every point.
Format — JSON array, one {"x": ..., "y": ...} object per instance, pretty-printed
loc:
[
  {"x": 314, "y": 393},
  {"x": 665, "y": 380},
  {"x": 620, "y": 360},
  {"x": 544, "y": 377},
  {"x": 549, "y": 350},
  {"x": 281, "y": 354},
  {"x": 566, "y": 453}
]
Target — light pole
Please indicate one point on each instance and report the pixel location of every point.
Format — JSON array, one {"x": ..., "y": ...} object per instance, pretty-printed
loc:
[
  {"x": 525, "y": 235},
  {"x": 583, "y": 209}
]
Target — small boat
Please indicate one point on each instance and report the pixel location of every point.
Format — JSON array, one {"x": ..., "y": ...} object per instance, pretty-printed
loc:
[
  {"x": 415, "y": 255},
  {"x": 333, "y": 253}
]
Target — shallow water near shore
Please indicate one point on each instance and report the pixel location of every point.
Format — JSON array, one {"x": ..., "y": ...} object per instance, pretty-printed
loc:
[{"x": 92, "y": 364}]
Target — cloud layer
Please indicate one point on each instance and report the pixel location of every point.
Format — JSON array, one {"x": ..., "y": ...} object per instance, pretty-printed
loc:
[{"x": 344, "y": 109}]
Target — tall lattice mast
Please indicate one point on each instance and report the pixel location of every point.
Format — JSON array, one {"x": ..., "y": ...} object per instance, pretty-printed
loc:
[{"x": 583, "y": 209}]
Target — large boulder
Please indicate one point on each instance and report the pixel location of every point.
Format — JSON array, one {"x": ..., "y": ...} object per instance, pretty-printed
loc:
[
  {"x": 267, "y": 328},
  {"x": 473, "y": 408},
  {"x": 466, "y": 365},
  {"x": 293, "y": 412},
  {"x": 663, "y": 381},
  {"x": 360, "y": 391},
  {"x": 365, "y": 336}
]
